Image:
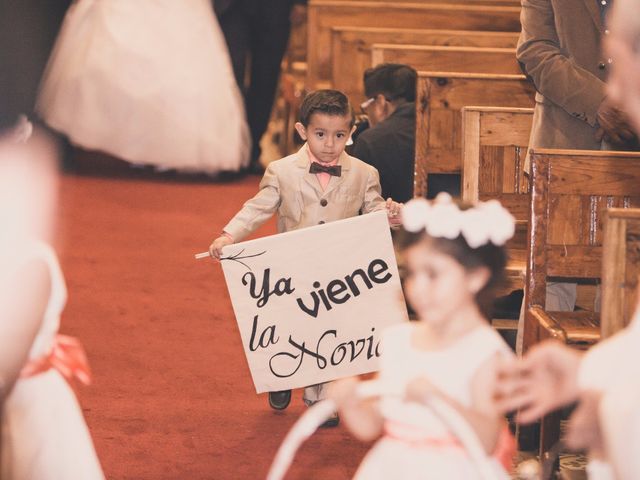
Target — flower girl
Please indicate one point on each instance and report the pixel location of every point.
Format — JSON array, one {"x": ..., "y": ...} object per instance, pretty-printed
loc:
[
  {"x": 455, "y": 257},
  {"x": 43, "y": 432}
]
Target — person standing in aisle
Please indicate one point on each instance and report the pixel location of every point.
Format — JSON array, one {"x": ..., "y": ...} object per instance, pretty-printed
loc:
[{"x": 256, "y": 33}]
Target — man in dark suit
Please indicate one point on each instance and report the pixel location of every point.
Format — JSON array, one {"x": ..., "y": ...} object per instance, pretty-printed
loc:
[
  {"x": 256, "y": 32},
  {"x": 389, "y": 143}
]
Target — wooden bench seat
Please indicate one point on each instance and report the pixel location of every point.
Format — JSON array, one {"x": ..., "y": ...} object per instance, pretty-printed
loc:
[
  {"x": 351, "y": 49},
  {"x": 325, "y": 14},
  {"x": 494, "y": 145},
  {"x": 570, "y": 192},
  {"x": 515, "y": 3},
  {"x": 440, "y": 99},
  {"x": 580, "y": 329},
  {"x": 620, "y": 268},
  {"x": 448, "y": 59}
]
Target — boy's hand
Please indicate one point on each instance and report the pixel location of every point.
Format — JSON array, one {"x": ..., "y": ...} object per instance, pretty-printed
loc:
[
  {"x": 215, "y": 249},
  {"x": 394, "y": 209}
]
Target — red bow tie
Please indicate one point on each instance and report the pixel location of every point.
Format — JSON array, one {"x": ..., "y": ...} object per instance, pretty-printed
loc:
[{"x": 335, "y": 170}]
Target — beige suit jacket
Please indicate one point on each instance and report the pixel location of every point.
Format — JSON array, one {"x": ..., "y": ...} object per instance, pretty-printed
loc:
[
  {"x": 560, "y": 49},
  {"x": 289, "y": 190}
]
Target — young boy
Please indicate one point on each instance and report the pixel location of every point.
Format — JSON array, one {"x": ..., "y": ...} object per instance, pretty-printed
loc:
[{"x": 318, "y": 184}]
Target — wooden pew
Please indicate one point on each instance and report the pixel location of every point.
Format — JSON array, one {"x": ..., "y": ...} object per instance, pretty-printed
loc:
[
  {"x": 494, "y": 145},
  {"x": 570, "y": 193},
  {"x": 291, "y": 85},
  {"x": 470, "y": 2},
  {"x": 351, "y": 49},
  {"x": 448, "y": 59},
  {"x": 440, "y": 98},
  {"x": 325, "y": 14},
  {"x": 620, "y": 269}
]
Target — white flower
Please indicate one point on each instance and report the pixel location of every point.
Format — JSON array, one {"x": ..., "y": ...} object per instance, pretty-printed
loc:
[
  {"x": 484, "y": 223},
  {"x": 501, "y": 222},
  {"x": 474, "y": 228},
  {"x": 443, "y": 197},
  {"x": 488, "y": 222},
  {"x": 414, "y": 214},
  {"x": 444, "y": 220}
]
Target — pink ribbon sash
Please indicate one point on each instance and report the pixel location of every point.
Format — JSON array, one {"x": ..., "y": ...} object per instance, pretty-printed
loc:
[{"x": 67, "y": 356}]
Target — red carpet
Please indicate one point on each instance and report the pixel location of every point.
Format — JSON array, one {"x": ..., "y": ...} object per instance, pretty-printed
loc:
[{"x": 172, "y": 396}]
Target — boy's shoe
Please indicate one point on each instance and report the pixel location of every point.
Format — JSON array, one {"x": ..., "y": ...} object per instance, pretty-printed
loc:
[
  {"x": 279, "y": 400},
  {"x": 333, "y": 421}
]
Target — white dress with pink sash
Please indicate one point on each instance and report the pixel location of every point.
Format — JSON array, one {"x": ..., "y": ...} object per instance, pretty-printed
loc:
[
  {"x": 416, "y": 444},
  {"x": 44, "y": 435}
]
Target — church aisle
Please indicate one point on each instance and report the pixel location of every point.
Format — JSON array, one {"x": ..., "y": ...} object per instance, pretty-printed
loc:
[{"x": 172, "y": 396}]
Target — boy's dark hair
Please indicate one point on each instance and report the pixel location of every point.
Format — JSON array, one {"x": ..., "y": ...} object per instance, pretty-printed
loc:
[
  {"x": 393, "y": 80},
  {"x": 330, "y": 102},
  {"x": 489, "y": 255}
]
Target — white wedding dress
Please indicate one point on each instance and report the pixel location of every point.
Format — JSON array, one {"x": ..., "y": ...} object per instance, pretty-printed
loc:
[{"x": 148, "y": 81}]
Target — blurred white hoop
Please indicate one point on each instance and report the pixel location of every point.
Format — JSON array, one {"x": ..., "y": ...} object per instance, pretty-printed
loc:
[{"x": 321, "y": 411}]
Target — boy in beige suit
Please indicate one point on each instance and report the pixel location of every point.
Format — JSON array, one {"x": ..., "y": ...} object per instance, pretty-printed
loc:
[{"x": 318, "y": 184}]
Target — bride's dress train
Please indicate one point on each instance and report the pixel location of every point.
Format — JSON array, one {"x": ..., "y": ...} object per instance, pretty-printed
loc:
[{"x": 148, "y": 81}]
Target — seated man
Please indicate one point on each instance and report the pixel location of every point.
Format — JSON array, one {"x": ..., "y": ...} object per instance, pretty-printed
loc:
[{"x": 389, "y": 143}]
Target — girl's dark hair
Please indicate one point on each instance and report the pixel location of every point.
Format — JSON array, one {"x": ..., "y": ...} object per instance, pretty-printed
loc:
[
  {"x": 489, "y": 255},
  {"x": 330, "y": 102}
]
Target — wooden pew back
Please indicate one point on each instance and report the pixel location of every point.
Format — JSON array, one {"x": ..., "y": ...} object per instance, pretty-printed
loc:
[
  {"x": 494, "y": 146},
  {"x": 325, "y": 14},
  {"x": 351, "y": 49},
  {"x": 440, "y": 99},
  {"x": 570, "y": 193},
  {"x": 620, "y": 269},
  {"x": 513, "y": 3},
  {"x": 448, "y": 59}
]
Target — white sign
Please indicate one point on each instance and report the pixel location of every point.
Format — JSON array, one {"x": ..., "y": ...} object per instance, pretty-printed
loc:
[{"x": 311, "y": 303}]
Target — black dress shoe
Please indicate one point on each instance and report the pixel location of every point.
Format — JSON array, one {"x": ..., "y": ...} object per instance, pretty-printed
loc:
[{"x": 279, "y": 400}]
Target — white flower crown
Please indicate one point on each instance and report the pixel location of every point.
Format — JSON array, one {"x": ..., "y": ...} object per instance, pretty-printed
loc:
[{"x": 485, "y": 222}]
